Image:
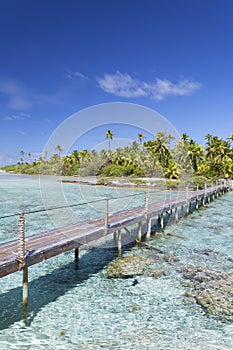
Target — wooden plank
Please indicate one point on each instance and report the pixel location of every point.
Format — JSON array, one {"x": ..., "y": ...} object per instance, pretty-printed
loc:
[{"x": 50, "y": 243}]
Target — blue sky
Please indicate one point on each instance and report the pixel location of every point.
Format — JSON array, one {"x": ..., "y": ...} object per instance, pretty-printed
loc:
[{"x": 59, "y": 57}]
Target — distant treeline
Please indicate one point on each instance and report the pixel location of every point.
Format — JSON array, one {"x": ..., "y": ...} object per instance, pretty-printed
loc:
[{"x": 152, "y": 158}]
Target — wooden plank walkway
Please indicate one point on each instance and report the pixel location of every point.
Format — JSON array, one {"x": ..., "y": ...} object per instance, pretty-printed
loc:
[{"x": 45, "y": 245}]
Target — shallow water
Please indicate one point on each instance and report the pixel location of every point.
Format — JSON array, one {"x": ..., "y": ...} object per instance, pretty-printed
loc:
[{"x": 83, "y": 309}]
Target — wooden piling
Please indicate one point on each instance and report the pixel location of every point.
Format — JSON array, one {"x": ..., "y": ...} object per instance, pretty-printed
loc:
[
  {"x": 176, "y": 214},
  {"x": 140, "y": 231},
  {"x": 148, "y": 233},
  {"x": 197, "y": 203},
  {"x": 161, "y": 221},
  {"x": 187, "y": 209},
  {"x": 187, "y": 200},
  {"x": 25, "y": 296},
  {"x": 119, "y": 244},
  {"x": 114, "y": 238},
  {"x": 76, "y": 257}
]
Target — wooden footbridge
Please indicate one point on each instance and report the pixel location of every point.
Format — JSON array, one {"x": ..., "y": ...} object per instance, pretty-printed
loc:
[{"x": 21, "y": 253}]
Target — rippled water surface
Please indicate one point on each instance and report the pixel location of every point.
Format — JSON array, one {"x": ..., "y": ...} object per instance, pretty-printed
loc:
[{"x": 83, "y": 309}]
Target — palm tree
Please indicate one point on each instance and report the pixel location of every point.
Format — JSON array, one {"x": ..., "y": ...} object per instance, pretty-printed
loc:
[
  {"x": 29, "y": 156},
  {"x": 230, "y": 138},
  {"x": 208, "y": 137},
  {"x": 59, "y": 149},
  {"x": 22, "y": 153},
  {"x": 159, "y": 149},
  {"x": 185, "y": 138},
  {"x": 218, "y": 154},
  {"x": 141, "y": 138},
  {"x": 109, "y": 136},
  {"x": 196, "y": 153}
]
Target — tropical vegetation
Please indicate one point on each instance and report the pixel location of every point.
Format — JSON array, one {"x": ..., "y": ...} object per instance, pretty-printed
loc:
[{"x": 152, "y": 158}]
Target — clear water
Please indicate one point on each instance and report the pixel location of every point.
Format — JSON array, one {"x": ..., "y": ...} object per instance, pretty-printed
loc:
[{"x": 83, "y": 309}]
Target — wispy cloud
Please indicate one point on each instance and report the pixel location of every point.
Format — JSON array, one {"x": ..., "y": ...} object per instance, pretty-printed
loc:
[
  {"x": 23, "y": 133},
  {"x": 75, "y": 75},
  {"x": 6, "y": 159},
  {"x": 20, "y": 116},
  {"x": 16, "y": 95},
  {"x": 122, "y": 84}
]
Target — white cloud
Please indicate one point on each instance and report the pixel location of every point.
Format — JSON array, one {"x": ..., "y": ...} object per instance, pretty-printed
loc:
[
  {"x": 15, "y": 93},
  {"x": 122, "y": 84},
  {"x": 23, "y": 133},
  {"x": 75, "y": 75},
  {"x": 20, "y": 116}
]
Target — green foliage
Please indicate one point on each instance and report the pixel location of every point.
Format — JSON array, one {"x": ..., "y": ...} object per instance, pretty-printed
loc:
[
  {"x": 116, "y": 170},
  {"x": 154, "y": 158}
]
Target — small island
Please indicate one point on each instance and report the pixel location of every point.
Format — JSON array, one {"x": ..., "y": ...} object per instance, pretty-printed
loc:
[{"x": 186, "y": 160}]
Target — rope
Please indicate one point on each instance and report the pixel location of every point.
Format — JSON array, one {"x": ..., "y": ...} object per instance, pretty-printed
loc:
[
  {"x": 21, "y": 241},
  {"x": 86, "y": 203},
  {"x": 68, "y": 206}
]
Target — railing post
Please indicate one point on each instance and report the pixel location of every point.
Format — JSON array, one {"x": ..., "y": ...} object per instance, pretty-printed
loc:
[
  {"x": 106, "y": 215},
  {"x": 21, "y": 241}
]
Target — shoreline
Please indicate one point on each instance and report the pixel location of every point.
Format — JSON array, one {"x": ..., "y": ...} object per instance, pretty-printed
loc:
[{"x": 153, "y": 184}]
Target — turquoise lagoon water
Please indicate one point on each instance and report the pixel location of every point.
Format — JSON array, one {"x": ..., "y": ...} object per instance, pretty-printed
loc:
[{"x": 83, "y": 309}]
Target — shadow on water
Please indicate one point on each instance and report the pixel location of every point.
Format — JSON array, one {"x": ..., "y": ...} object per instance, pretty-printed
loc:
[{"x": 46, "y": 289}]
